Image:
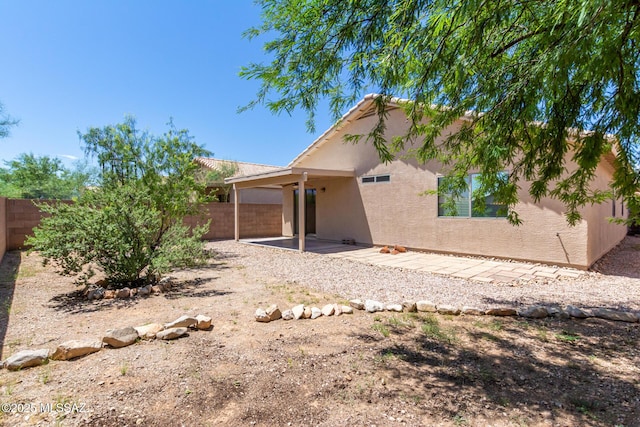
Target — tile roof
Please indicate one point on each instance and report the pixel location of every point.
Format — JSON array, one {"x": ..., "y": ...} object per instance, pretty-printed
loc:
[{"x": 244, "y": 168}]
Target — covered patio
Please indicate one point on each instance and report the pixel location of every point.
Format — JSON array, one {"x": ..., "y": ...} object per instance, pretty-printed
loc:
[{"x": 299, "y": 177}]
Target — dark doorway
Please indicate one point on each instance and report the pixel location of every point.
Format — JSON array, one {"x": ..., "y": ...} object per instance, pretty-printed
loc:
[{"x": 309, "y": 211}]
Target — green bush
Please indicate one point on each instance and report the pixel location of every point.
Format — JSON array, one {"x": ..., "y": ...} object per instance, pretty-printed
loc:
[{"x": 130, "y": 227}]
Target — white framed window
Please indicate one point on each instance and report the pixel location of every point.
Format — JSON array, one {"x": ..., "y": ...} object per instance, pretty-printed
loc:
[
  {"x": 467, "y": 204},
  {"x": 376, "y": 178}
]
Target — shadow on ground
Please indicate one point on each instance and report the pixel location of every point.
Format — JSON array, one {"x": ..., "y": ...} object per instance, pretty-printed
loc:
[
  {"x": 556, "y": 371},
  {"x": 76, "y": 303},
  {"x": 9, "y": 269}
]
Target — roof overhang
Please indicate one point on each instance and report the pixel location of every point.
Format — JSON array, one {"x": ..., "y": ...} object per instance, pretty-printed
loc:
[{"x": 286, "y": 176}]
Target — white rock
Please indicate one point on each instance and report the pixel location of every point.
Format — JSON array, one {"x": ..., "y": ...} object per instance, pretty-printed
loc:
[
  {"x": 346, "y": 309},
  {"x": 148, "y": 331},
  {"x": 535, "y": 312},
  {"x": 123, "y": 293},
  {"x": 357, "y": 304},
  {"x": 425, "y": 306},
  {"x": 394, "y": 307},
  {"x": 409, "y": 306},
  {"x": 579, "y": 313},
  {"x": 171, "y": 333},
  {"x": 337, "y": 310},
  {"x": 298, "y": 311},
  {"x": 617, "y": 315},
  {"x": 287, "y": 315},
  {"x": 501, "y": 311},
  {"x": 203, "y": 322},
  {"x": 328, "y": 310},
  {"x": 315, "y": 312},
  {"x": 182, "y": 322},
  {"x": 144, "y": 290},
  {"x": 94, "y": 294},
  {"x": 273, "y": 312},
  {"x": 472, "y": 311},
  {"x": 307, "y": 313},
  {"x": 447, "y": 309},
  {"x": 117, "y": 338},
  {"x": 26, "y": 359},
  {"x": 76, "y": 348},
  {"x": 262, "y": 316},
  {"x": 557, "y": 312},
  {"x": 373, "y": 306}
]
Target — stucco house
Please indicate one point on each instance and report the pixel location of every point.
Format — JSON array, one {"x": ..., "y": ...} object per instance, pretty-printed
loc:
[
  {"x": 267, "y": 194},
  {"x": 351, "y": 194}
]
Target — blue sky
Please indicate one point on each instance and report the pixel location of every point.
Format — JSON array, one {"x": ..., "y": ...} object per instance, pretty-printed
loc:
[{"x": 68, "y": 65}]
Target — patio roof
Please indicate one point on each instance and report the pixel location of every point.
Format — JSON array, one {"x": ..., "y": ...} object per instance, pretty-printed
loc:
[
  {"x": 281, "y": 177},
  {"x": 287, "y": 176}
]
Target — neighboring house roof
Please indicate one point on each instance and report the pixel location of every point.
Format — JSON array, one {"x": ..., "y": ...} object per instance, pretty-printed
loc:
[{"x": 244, "y": 168}]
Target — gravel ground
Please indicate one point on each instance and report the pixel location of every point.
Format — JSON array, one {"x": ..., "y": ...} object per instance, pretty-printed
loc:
[{"x": 613, "y": 283}]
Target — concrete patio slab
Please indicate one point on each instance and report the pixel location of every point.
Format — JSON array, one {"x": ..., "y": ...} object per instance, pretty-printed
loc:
[{"x": 478, "y": 269}]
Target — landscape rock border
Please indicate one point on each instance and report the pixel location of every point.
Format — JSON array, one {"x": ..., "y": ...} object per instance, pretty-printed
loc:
[
  {"x": 301, "y": 311},
  {"x": 114, "y": 338}
]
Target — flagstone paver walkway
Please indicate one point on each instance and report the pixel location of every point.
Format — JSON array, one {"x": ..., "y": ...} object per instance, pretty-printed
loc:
[{"x": 478, "y": 269}]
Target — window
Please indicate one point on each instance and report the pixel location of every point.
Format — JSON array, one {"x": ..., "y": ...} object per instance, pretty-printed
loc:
[
  {"x": 376, "y": 178},
  {"x": 469, "y": 204}
]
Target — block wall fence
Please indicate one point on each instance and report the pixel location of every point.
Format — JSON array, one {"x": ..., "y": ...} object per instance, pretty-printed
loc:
[{"x": 18, "y": 217}]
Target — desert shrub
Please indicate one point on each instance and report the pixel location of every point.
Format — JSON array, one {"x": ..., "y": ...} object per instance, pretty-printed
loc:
[{"x": 130, "y": 227}]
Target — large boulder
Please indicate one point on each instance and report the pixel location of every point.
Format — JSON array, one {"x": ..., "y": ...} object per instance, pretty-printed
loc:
[
  {"x": 76, "y": 348},
  {"x": 117, "y": 338},
  {"x": 26, "y": 359}
]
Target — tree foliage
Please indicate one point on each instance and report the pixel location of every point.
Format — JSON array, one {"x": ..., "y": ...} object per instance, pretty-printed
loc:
[
  {"x": 130, "y": 226},
  {"x": 549, "y": 82},
  {"x": 32, "y": 177},
  {"x": 215, "y": 177},
  {"x": 6, "y": 122}
]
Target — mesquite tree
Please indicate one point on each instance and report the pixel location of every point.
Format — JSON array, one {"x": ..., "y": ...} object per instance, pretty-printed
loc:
[
  {"x": 130, "y": 226},
  {"x": 548, "y": 81}
]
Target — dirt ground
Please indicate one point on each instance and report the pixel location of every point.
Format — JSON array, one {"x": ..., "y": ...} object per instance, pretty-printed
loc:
[{"x": 361, "y": 369}]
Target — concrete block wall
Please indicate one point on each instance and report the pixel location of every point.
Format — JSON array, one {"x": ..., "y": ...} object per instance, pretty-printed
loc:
[
  {"x": 18, "y": 217},
  {"x": 3, "y": 226},
  {"x": 256, "y": 220},
  {"x": 22, "y": 216}
]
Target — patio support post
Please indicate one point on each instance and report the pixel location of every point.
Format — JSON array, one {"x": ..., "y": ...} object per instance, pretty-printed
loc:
[
  {"x": 236, "y": 213},
  {"x": 302, "y": 199}
]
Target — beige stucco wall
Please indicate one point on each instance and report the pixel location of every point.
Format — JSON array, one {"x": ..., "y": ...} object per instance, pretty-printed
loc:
[
  {"x": 395, "y": 213},
  {"x": 268, "y": 196},
  {"x": 604, "y": 235},
  {"x": 287, "y": 211}
]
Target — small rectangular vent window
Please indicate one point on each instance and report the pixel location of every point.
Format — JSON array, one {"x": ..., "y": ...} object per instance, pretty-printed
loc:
[{"x": 376, "y": 178}]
